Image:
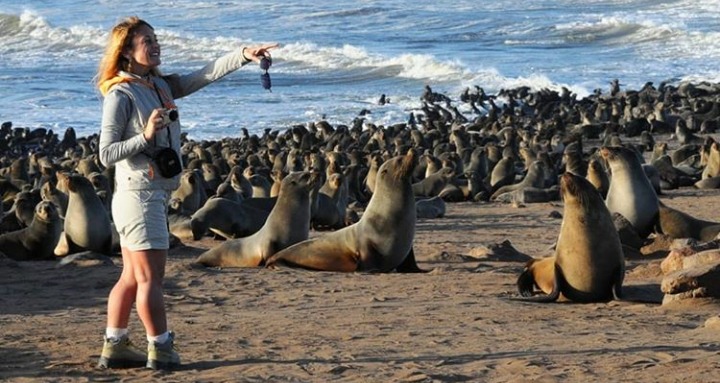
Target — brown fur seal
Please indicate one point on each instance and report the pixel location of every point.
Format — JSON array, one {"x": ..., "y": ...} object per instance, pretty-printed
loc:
[
  {"x": 37, "y": 241},
  {"x": 589, "y": 264},
  {"x": 430, "y": 207},
  {"x": 677, "y": 224},
  {"x": 332, "y": 204},
  {"x": 433, "y": 184},
  {"x": 50, "y": 192},
  {"x": 226, "y": 218},
  {"x": 534, "y": 178},
  {"x": 630, "y": 192},
  {"x": 287, "y": 224},
  {"x": 597, "y": 176},
  {"x": 712, "y": 166},
  {"x": 191, "y": 191},
  {"x": 87, "y": 224},
  {"x": 381, "y": 241}
]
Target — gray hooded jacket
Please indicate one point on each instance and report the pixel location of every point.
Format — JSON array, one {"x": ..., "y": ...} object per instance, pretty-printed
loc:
[{"x": 126, "y": 109}]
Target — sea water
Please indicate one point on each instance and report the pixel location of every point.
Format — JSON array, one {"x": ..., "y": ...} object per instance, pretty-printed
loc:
[{"x": 338, "y": 57}]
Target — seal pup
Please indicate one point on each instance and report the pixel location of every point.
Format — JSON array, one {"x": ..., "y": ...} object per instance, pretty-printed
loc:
[
  {"x": 381, "y": 241},
  {"x": 287, "y": 224},
  {"x": 588, "y": 264},
  {"x": 38, "y": 240},
  {"x": 630, "y": 192},
  {"x": 87, "y": 224}
]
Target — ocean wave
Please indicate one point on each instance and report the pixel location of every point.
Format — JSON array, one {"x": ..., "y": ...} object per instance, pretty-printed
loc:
[
  {"x": 615, "y": 30},
  {"x": 362, "y": 11},
  {"x": 29, "y": 35}
]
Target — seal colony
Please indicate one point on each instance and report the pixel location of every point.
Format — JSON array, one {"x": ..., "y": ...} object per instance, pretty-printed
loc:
[{"x": 514, "y": 146}]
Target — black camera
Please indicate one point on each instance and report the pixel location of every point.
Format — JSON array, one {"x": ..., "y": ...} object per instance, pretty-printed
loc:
[
  {"x": 169, "y": 115},
  {"x": 168, "y": 162}
]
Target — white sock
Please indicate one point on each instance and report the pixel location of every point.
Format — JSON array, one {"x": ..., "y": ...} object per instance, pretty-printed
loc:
[
  {"x": 159, "y": 339},
  {"x": 115, "y": 333}
]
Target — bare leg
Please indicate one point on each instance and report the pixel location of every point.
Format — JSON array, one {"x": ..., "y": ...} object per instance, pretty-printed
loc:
[
  {"x": 149, "y": 272},
  {"x": 122, "y": 296}
]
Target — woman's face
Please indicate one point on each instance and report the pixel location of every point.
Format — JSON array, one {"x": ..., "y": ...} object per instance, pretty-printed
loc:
[{"x": 144, "y": 50}]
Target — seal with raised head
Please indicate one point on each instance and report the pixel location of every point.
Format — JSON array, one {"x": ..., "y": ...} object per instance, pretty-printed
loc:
[
  {"x": 38, "y": 240},
  {"x": 287, "y": 224},
  {"x": 87, "y": 223},
  {"x": 630, "y": 192},
  {"x": 382, "y": 241},
  {"x": 588, "y": 264}
]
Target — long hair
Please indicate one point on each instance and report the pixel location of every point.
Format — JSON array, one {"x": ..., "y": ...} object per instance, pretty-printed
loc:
[{"x": 113, "y": 60}]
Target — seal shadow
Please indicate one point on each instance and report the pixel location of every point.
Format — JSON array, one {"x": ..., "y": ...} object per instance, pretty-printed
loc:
[{"x": 642, "y": 293}]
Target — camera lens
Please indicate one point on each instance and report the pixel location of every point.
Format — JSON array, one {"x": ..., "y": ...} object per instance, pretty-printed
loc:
[{"x": 173, "y": 115}]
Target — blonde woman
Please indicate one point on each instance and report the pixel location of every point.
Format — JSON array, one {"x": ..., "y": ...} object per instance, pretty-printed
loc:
[{"x": 139, "y": 119}]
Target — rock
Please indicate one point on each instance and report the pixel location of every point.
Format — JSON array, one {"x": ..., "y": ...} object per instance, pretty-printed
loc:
[
  {"x": 686, "y": 258},
  {"x": 699, "y": 281}
]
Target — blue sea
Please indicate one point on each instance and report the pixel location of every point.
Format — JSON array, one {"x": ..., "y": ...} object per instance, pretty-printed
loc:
[{"x": 337, "y": 57}]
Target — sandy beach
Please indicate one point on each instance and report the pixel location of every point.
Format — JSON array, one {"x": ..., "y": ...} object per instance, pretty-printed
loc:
[{"x": 453, "y": 324}]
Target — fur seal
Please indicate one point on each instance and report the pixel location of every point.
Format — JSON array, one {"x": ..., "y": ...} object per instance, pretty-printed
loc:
[
  {"x": 191, "y": 191},
  {"x": 534, "y": 178},
  {"x": 430, "y": 207},
  {"x": 677, "y": 224},
  {"x": 87, "y": 224},
  {"x": 287, "y": 224},
  {"x": 630, "y": 192},
  {"x": 38, "y": 240},
  {"x": 597, "y": 176},
  {"x": 434, "y": 183},
  {"x": 226, "y": 218},
  {"x": 588, "y": 264},
  {"x": 381, "y": 241}
]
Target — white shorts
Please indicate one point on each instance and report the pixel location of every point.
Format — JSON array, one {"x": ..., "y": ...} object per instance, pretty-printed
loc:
[{"x": 140, "y": 217}]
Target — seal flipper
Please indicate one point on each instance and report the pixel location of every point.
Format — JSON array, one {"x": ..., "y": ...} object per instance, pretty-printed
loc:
[
  {"x": 409, "y": 265},
  {"x": 554, "y": 294},
  {"x": 526, "y": 283},
  {"x": 617, "y": 285},
  {"x": 315, "y": 254}
]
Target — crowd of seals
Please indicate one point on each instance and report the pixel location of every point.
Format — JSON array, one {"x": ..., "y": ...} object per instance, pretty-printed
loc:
[{"x": 513, "y": 146}]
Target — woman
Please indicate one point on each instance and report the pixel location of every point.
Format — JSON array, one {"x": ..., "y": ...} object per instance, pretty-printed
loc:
[{"x": 136, "y": 124}]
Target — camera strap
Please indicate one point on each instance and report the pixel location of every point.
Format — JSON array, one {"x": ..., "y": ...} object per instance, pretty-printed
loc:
[{"x": 166, "y": 105}]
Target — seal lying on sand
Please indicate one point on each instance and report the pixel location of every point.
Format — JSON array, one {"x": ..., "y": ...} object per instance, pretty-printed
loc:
[
  {"x": 380, "y": 242},
  {"x": 588, "y": 265},
  {"x": 287, "y": 224}
]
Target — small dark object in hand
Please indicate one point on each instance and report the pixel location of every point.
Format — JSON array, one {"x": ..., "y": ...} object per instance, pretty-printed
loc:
[{"x": 265, "y": 64}]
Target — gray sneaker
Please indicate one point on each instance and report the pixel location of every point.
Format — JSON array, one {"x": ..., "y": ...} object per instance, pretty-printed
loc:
[
  {"x": 121, "y": 353},
  {"x": 163, "y": 356}
]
